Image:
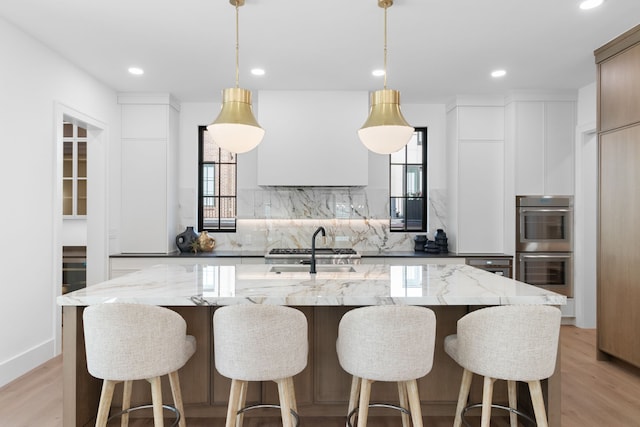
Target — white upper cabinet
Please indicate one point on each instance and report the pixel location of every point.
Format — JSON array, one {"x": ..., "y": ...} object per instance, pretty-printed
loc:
[
  {"x": 475, "y": 143},
  {"x": 149, "y": 141},
  {"x": 481, "y": 123},
  {"x": 543, "y": 141},
  {"x": 311, "y": 138}
]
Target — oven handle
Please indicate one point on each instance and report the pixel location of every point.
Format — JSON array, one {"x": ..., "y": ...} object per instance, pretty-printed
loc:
[
  {"x": 525, "y": 210},
  {"x": 522, "y": 256}
]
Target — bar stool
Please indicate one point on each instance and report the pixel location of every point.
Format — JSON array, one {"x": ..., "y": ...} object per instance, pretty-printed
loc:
[
  {"x": 386, "y": 343},
  {"x": 512, "y": 343},
  {"x": 256, "y": 342},
  {"x": 128, "y": 342}
]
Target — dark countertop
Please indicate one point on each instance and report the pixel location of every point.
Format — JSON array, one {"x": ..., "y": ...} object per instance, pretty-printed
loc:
[{"x": 260, "y": 254}]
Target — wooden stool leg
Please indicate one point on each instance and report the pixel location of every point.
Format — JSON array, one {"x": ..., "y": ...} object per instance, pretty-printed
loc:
[
  {"x": 293, "y": 403},
  {"x": 487, "y": 398},
  {"x": 126, "y": 403},
  {"x": 513, "y": 402},
  {"x": 285, "y": 402},
  {"x": 242, "y": 403},
  {"x": 404, "y": 402},
  {"x": 156, "y": 398},
  {"x": 538, "y": 403},
  {"x": 234, "y": 398},
  {"x": 354, "y": 395},
  {"x": 174, "y": 381},
  {"x": 463, "y": 396},
  {"x": 414, "y": 403},
  {"x": 105, "y": 402},
  {"x": 365, "y": 394}
]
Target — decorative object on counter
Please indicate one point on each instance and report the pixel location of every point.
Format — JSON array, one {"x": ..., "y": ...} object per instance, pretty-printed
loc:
[
  {"x": 184, "y": 240},
  {"x": 386, "y": 130},
  {"x": 431, "y": 247},
  {"x": 236, "y": 128},
  {"x": 441, "y": 240},
  {"x": 420, "y": 241},
  {"x": 206, "y": 243}
]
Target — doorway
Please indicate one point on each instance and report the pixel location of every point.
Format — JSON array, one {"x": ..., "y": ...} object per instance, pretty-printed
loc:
[{"x": 94, "y": 231}]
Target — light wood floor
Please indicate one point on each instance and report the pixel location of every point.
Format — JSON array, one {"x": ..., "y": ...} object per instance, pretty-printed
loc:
[{"x": 594, "y": 393}]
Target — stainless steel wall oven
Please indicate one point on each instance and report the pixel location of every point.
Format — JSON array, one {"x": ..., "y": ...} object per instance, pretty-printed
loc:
[{"x": 544, "y": 242}]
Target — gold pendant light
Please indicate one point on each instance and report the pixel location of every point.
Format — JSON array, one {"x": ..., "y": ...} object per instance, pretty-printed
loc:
[
  {"x": 386, "y": 130},
  {"x": 236, "y": 128}
]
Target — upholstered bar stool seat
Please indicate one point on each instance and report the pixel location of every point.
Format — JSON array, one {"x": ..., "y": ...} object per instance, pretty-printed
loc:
[
  {"x": 128, "y": 342},
  {"x": 512, "y": 343},
  {"x": 256, "y": 342},
  {"x": 386, "y": 343}
]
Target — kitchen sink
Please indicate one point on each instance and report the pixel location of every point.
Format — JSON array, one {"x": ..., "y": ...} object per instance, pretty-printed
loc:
[{"x": 332, "y": 268}]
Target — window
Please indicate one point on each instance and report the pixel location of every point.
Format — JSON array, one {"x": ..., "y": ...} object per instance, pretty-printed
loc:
[
  {"x": 408, "y": 183},
  {"x": 74, "y": 171},
  {"x": 216, "y": 185}
]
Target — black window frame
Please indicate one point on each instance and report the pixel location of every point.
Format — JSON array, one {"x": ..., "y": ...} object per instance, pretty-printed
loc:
[
  {"x": 218, "y": 197},
  {"x": 424, "y": 199}
]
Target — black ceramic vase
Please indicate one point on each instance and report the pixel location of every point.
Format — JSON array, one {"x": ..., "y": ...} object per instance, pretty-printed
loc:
[
  {"x": 184, "y": 240},
  {"x": 419, "y": 240}
]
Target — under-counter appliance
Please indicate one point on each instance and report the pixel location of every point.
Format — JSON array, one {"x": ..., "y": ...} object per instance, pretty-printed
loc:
[
  {"x": 544, "y": 242},
  {"x": 502, "y": 266},
  {"x": 303, "y": 256}
]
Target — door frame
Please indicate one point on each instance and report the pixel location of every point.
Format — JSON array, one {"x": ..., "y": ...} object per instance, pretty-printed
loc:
[{"x": 97, "y": 213}]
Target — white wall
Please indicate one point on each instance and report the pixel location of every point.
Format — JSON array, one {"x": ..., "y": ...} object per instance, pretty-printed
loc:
[{"x": 33, "y": 82}]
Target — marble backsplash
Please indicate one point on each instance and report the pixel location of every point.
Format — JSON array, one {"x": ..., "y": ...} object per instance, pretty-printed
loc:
[{"x": 353, "y": 217}]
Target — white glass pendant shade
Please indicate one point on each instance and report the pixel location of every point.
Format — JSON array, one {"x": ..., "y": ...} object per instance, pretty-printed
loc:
[
  {"x": 236, "y": 128},
  {"x": 386, "y": 130}
]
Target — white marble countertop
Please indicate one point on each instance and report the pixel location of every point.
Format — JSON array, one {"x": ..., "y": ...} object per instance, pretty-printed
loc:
[{"x": 377, "y": 284}]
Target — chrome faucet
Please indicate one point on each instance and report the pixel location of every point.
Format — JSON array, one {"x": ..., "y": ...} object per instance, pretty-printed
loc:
[{"x": 313, "y": 249}]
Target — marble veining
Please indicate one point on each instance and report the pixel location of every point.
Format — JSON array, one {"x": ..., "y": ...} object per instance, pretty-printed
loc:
[
  {"x": 353, "y": 217},
  {"x": 377, "y": 284}
]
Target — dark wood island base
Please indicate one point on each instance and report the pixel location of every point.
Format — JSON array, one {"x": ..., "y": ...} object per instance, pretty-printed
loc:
[{"x": 322, "y": 389}]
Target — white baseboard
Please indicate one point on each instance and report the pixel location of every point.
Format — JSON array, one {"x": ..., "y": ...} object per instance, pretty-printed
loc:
[{"x": 24, "y": 362}]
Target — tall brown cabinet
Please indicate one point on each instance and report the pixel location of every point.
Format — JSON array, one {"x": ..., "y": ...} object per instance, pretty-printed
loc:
[{"x": 619, "y": 198}]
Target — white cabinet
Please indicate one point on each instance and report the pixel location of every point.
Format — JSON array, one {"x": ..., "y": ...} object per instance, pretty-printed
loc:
[
  {"x": 311, "y": 138},
  {"x": 480, "y": 197},
  {"x": 475, "y": 158},
  {"x": 149, "y": 173},
  {"x": 543, "y": 138},
  {"x": 119, "y": 266}
]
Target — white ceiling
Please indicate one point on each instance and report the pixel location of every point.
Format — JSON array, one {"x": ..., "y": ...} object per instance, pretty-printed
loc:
[{"x": 437, "y": 48}]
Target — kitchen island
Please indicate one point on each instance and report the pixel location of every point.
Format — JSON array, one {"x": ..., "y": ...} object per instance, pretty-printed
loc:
[{"x": 322, "y": 389}]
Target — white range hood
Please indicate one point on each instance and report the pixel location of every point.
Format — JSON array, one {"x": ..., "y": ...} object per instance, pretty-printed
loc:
[{"x": 311, "y": 138}]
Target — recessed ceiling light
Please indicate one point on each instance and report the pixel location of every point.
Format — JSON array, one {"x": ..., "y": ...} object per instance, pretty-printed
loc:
[
  {"x": 590, "y": 4},
  {"x": 136, "y": 71},
  {"x": 378, "y": 73},
  {"x": 498, "y": 73},
  {"x": 257, "y": 72}
]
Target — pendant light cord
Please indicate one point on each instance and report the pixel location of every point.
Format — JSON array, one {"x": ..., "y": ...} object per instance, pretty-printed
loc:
[
  {"x": 238, "y": 46},
  {"x": 385, "y": 46}
]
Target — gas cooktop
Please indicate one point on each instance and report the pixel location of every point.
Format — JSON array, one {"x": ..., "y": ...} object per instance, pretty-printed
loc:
[
  {"x": 307, "y": 251},
  {"x": 303, "y": 255}
]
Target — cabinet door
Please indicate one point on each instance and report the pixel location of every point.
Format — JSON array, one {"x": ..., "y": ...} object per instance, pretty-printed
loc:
[
  {"x": 144, "y": 196},
  {"x": 481, "y": 197},
  {"x": 620, "y": 89},
  {"x": 560, "y": 118},
  {"x": 619, "y": 258},
  {"x": 529, "y": 143}
]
